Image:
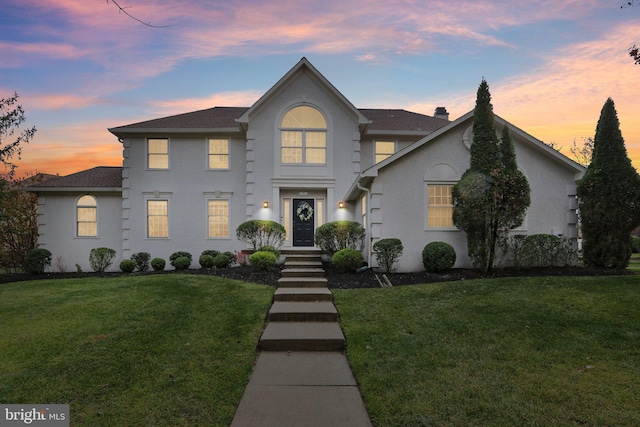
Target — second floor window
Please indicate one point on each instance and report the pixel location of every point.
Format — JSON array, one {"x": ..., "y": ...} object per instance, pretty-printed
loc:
[
  {"x": 384, "y": 149},
  {"x": 158, "y": 153},
  {"x": 304, "y": 136},
  {"x": 218, "y": 154}
]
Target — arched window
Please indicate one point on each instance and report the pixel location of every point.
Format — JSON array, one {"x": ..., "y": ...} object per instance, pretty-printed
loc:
[
  {"x": 304, "y": 136},
  {"x": 87, "y": 216}
]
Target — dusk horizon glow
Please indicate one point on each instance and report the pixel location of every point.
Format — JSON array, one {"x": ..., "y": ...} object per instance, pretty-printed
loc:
[{"x": 81, "y": 67}]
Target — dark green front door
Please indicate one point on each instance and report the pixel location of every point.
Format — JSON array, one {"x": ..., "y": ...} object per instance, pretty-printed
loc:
[{"x": 303, "y": 220}]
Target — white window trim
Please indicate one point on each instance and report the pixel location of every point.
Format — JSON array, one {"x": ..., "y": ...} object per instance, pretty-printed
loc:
[
  {"x": 158, "y": 198},
  {"x": 217, "y": 196},
  {"x": 146, "y": 149},
  {"x": 97, "y": 217},
  {"x": 426, "y": 206},
  {"x": 375, "y": 151},
  {"x": 304, "y": 131},
  {"x": 209, "y": 154}
]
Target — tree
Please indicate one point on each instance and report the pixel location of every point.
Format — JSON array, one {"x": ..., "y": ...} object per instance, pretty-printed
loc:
[
  {"x": 582, "y": 154},
  {"x": 18, "y": 222},
  {"x": 609, "y": 197},
  {"x": 11, "y": 117},
  {"x": 124, "y": 10},
  {"x": 493, "y": 195}
]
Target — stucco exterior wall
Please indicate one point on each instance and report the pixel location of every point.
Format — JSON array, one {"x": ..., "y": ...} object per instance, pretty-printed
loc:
[
  {"x": 57, "y": 228},
  {"x": 399, "y": 196}
]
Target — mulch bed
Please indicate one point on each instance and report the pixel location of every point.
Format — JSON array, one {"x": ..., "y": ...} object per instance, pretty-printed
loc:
[{"x": 337, "y": 280}]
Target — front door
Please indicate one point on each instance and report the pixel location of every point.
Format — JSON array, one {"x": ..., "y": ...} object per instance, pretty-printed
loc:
[{"x": 303, "y": 220}]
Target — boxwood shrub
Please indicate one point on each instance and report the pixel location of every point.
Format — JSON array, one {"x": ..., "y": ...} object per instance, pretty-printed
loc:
[
  {"x": 347, "y": 260},
  {"x": 206, "y": 261},
  {"x": 158, "y": 264},
  {"x": 263, "y": 260},
  {"x": 181, "y": 263},
  {"x": 438, "y": 257},
  {"x": 37, "y": 260},
  {"x": 127, "y": 265},
  {"x": 180, "y": 254},
  {"x": 221, "y": 261}
]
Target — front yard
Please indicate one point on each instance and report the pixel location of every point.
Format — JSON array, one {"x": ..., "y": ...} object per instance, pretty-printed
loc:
[{"x": 170, "y": 350}]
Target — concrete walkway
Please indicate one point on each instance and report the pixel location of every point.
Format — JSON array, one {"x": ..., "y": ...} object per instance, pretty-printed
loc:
[{"x": 302, "y": 377}]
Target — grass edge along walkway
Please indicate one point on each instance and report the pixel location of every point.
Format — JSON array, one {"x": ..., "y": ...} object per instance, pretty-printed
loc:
[
  {"x": 157, "y": 350},
  {"x": 500, "y": 352}
]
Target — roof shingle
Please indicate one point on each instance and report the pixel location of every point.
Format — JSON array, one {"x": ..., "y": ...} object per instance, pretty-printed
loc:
[{"x": 98, "y": 177}]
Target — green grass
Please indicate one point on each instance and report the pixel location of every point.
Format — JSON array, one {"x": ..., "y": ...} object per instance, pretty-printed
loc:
[
  {"x": 634, "y": 262},
  {"x": 173, "y": 350},
  {"x": 503, "y": 352}
]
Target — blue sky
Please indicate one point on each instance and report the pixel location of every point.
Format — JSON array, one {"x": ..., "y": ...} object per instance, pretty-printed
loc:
[{"x": 81, "y": 66}]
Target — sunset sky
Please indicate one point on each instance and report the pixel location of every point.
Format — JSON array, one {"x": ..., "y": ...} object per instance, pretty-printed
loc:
[{"x": 81, "y": 66}]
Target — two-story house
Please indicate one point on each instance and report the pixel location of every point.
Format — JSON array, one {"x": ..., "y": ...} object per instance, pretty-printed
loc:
[{"x": 302, "y": 155}]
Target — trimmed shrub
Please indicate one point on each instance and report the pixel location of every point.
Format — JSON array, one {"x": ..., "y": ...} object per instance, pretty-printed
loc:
[
  {"x": 180, "y": 254},
  {"x": 211, "y": 252},
  {"x": 37, "y": 260},
  {"x": 388, "y": 253},
  {"x": 127, "y": 265},
  {"x": 206, "y": 261},
  {"x": 263, "y": 260},
  {"x": 230, "y": 255},
  {"x": 181, "y": 263},
  {"x": 438, "y": 257},
  {"x": 347, "y": 260},
  {"x": 221, "y": 261},
  {"x": 158, "y": 264},
  {"x": 142, "y": 260},
  {"x": 334, "y": 236},
  {"x": 271, "y": 249},
  {"x": 259, "y": 233},
  {"x": 100, "y": 259}
]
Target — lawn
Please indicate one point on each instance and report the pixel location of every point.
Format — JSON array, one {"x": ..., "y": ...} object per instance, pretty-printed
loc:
[
  {"x": 502, "y": 352},
  {"x": 170, "y": 350}
]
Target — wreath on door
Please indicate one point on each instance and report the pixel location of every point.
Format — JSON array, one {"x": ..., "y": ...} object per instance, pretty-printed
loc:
[{"x": 304, "y": 211}]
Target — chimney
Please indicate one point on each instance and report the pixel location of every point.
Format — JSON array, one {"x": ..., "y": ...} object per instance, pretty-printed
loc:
[{"x": 441, "y": 113}]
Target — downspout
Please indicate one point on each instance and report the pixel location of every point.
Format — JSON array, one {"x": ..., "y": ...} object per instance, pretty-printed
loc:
[{"x": 368, "y": 220}]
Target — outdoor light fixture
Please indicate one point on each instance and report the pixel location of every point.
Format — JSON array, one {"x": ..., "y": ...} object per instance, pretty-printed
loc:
[
  {"x": 265, "y": 204},
  {"x": 341, "y": 205}
]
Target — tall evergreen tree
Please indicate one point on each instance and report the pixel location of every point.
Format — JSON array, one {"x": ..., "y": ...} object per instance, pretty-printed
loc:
[
  {"x": 609, "y": 197},
  {"x": 493, "y": 195}
]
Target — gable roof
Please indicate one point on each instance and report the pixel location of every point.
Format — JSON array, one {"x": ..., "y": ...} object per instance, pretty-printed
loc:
[
  {"x": 105, "y": 178},
  {"x": 367, "y": 176},
  {"x": 303, "y": 65}
]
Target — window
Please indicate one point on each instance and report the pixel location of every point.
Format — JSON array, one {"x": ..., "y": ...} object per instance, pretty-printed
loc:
[
  {"x": 384, "y": 149},
  {"x": 87, "y": 217},
  {"x": 157, "y": 218},
  {"x": 158, "y": 153},
  {"x": 218, "y": 154},
  {"x": 440, "y": 206},
  {"x": 304, "y": 136},
  {"x": 218, "y": 218}
]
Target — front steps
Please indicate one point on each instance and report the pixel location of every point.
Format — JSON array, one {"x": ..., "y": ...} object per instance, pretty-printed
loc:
[{"x": 303, "y": 316}]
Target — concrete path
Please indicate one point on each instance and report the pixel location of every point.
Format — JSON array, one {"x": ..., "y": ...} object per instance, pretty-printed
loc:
[{"x": 302, "y": 377}]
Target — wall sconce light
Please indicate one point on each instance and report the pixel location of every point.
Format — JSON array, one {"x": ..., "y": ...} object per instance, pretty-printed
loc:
[
  {"x": 265, "y": 204},
  {"x": 341, "y": 205}
]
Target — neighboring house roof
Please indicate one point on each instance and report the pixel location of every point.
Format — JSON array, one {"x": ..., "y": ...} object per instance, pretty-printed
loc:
[{"x": 105, "y": 178}]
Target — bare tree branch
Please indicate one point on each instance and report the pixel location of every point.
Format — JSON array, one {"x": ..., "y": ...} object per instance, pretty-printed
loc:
[{"x": 123, "y": 10}]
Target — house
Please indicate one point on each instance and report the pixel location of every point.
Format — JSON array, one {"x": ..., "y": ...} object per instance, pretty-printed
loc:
[{"x": 302, "y": 155}]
